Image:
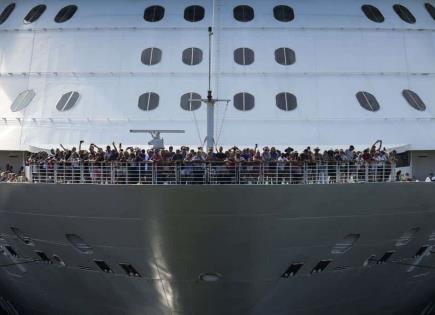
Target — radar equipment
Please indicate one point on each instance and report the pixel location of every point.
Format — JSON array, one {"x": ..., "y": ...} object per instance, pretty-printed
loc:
[{"x": 157, "y": 141}]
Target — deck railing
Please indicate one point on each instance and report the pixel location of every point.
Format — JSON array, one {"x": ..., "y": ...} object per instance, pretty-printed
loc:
[{"x": 209, "y": 173}]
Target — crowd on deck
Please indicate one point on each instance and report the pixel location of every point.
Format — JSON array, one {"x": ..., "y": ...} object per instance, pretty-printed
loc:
[
  {"x": 272, "y": 160},
  {"x": 8, "y": 175},
  {"x": 115, "y": 164},
  {"x": 115, "y": 153}
]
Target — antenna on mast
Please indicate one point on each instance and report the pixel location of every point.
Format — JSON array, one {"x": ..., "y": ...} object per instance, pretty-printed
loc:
[{"x": 210, "y": 101}]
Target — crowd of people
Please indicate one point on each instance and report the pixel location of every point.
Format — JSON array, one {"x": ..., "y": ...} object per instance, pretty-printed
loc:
[
  {"x": 114, "y": 153},
  {"x": 115, "y": 164},
  {"x": 8, "y": 175}
]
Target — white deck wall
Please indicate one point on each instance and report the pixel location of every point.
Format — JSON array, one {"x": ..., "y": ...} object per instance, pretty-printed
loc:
[{"x": 338, "y": 53}]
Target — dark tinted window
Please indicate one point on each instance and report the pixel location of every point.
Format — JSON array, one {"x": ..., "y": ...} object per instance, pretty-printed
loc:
[
  {"x": 404, "y": 13},
  {"x": 192, "y": 56},
  {"x": 243, "y": 13},
  {"x": 67, "y": 101},
  {"x": 430, "y": 9},
  {"x": 151, "y": 56},
  {"x": 154, "y": 13},
  {"x": 190, "y": 101},
  {"x": 283, "y": 13},
  {"x": 194, "y": 13},
  {"x": 35, "y": 13},
  {"x": 373, "y": 13},
  {"x": 285, "y": 56},
  {"x": 65, "y": 14},
  {"x": 367, "y": 101},
  {"x": 244, "y": 101},
  {"x": 286, "y": 101},
  {"x": 244, "y": 56},
  {"x": 148, "y": 101},
  {"x": 414, "y": 100},
  {"x": 6, "y": 13}
]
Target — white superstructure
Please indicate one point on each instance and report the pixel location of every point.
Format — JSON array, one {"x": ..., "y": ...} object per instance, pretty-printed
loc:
[{"x": 97, "y": 53}]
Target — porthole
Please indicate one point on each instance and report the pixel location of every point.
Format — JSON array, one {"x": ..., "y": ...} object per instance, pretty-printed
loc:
[
  {"x": 292, "y": 270},
  {"x": 404, "y": 13},
  {"x": 192, "y": 56},
  {"x": 103, "y": 266},
  {"x": 430, "y": 9},
  {"x": 6, "y": 13},
  {"x": 190, "y": 101},
  {"x": 414, "y": 100},
  {"x": 321, "y": 266},
  {"x": 67, "y": 101},
  {"x": 35, "y": 13},
  {"x": 151, "y": 56},
  {"x": 65, "y": 14},
  {"x": 286, "y": 101},
  {"x": 244, "y": 101},
  {"x": 345, "y": 244},
  {"x": 373, "y": 13},
  {"x": 407, "y": 237},
  {"x": 58, "y": 261},
  {"x": 154, "y": 13},
  {"x": 148, "y": 101},
  {"x": 244, "y": 56},
  {"x": 130, "y": 270},
  {"x": 194, "y": 13},
  {"x": 23, "y": 100},
  {"x": 285, "y": 56},
  {"x": 368, "y": 101},
  {"x": 79, "y": 244},
  {"x": 243, "y": 13},
  {"x": 283, "y": 13},
  {"x": 23, "y": 237}
]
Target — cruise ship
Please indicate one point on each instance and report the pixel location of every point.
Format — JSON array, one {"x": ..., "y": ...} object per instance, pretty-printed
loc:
[{"x": 229, "y": 72}]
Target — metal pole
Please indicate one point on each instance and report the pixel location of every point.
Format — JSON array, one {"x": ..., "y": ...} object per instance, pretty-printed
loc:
[
  {"x": 210, "y": 103},
  {"x": 210, "y": 125}
]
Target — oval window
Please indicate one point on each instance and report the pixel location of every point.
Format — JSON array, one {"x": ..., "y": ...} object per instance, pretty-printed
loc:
[
  {"x": 404, "y": 13},
  {"x": 148, "y": 101},
  {"x": 285, "y": 56},
  {"x": 6, "y": 13},
  {"x": 154, "y": 13},
  {"x": 286, "y": 101},
  {"x": 430, "y": 9},
  {"x": 283, "y": 13},
  {"x": 190, "y": 101},
  {"x": 368, "y": 101},
  {"x": 373, "y": 13},
  {"x": 65, "y": 14},
  {"x": 243, "y": 13},
  {"x": 26, "y": 239},
  {"x": 23, "y": 100},
  {"x": 244, "y": 101},
  {"x": 79, "y": 244},
  {"x": 414, "y": 100},
  {"x": 151, "y": 56},
  {"x": 192, "y": 56},
  {"x": 67, "y": 101},
  {"x": 244, "y": 56},
  {"x": 194, "y": 13},
  {"x": 35, "y": 13}
]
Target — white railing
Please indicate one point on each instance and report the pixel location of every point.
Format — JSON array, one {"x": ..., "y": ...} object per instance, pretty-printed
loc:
[{"x": 209, "y": 173}]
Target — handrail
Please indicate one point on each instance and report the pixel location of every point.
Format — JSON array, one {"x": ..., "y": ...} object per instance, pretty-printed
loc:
[{"x": 209, "y": 173}]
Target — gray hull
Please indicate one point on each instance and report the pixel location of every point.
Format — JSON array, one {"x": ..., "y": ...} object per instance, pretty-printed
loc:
[{"x": 248, "y": 234}]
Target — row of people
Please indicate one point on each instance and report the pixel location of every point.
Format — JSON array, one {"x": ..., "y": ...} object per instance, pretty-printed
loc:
[{"x": 114, "y": 153}]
